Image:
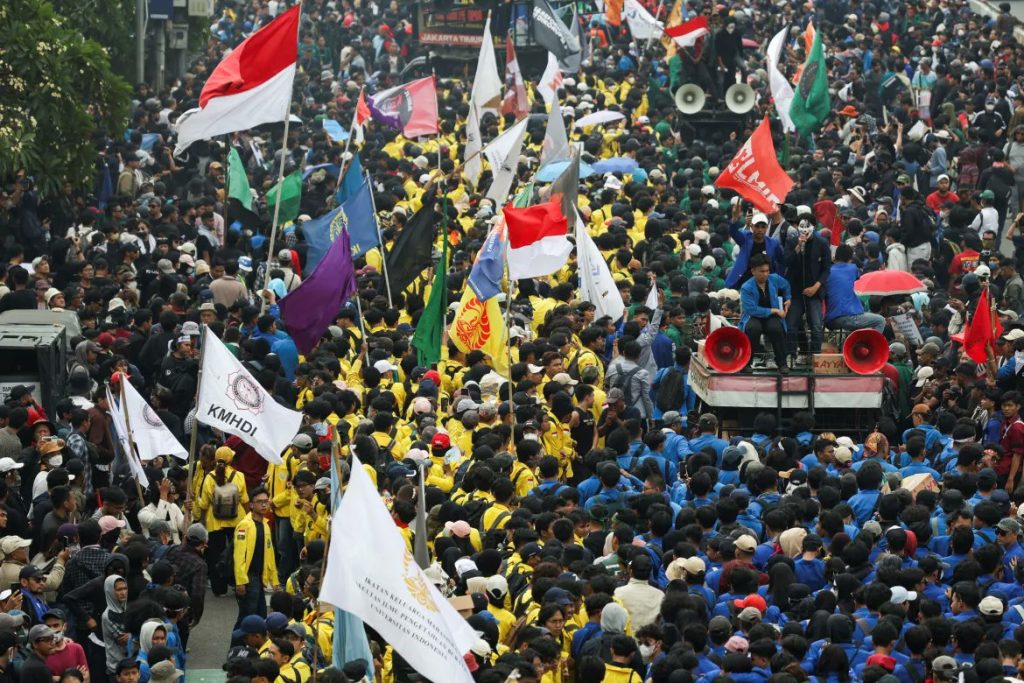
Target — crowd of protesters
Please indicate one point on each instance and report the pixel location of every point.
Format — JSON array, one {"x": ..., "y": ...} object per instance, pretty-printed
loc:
[{"x": 586, "y": 515}]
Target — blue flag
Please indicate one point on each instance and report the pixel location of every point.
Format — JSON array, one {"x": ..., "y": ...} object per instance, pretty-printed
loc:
[
  {"x": 106, "y": 188},
  {"x": 485, "y": 277},
  {"x": 351, "y": 182},
  {"x": 356, "y": 214}
]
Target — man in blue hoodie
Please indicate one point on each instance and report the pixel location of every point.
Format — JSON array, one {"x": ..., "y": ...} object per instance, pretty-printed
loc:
[
  {"x": 843, "y": 310},
  {"x": 751, "y": 243},
  {"x": 765, "y": 301}
]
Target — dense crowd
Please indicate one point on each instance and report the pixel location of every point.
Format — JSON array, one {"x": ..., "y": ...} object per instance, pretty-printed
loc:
[{"x": 588, "y": 517}]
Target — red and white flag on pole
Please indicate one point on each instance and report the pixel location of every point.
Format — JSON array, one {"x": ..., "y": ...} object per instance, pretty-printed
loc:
[
  {"x": 755, "y": 172},
  {"x": 250, "y": 87},
  {"x": 410, "y": 107},
  {"x": 538, "y": 241},
  {"x": 514, "y": 100},
  {"x": 360, "y": 116},
  {"x": 689, "y": 32}
]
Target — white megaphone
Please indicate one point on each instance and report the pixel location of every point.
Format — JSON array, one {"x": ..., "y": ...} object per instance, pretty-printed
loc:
[
  {"x": 690, "y": 98},
  {"x": 739, "y": 98}
]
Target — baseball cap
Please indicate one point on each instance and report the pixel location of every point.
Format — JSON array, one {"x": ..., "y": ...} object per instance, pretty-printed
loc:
[
  {"x": 719, "y": 625},
  {"x": 441, "y": 440},
  {"x": 197, "y": 533},
  {"x": 1009, "y": 524},
  {"x": 945, "y": 667},
  {"x": 109, "y": 523},
  {"x": 8, "y": 464},
  {"x": 900, "y": 595},
  {"x": 30, "y": 571},
  {"x": 749, "y": 614},
  {"x": 11, "y": 543},
  {"x": 991, "y": 605},
  {"x": 529, "y": 550},
  {"x": 564, "y": 379},
  {"x": 302, "y": 441},
  {"x": 746, "y": 543},
  {"x": 694, "y": 565},
  {"x": 252, "y": 624},
  {"x": 276, "y": 622},
  {"x": 754, "y": 600},
  {"x": 671, "y": 417},
  {"x": 40, "y": 632},
  {"x": 497, "y": 586},
  {"x": 297, "y": 629}
]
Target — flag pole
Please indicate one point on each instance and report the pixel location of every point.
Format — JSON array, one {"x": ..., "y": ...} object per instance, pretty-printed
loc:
[
  {"x": 132, "y": 451},
  {"x": 280, "y": 176},
  {"x": 359, "y": 310},
  {"x": 508, "y": 346},
  {"x": 380, "y": 241},
  {"x": 194, "y": 437}
]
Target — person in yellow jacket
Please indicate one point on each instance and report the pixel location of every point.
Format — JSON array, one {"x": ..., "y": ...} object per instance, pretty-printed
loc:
[
  {"x": 291, "y": 667},
  {"x": 221, "y": 506},
  {"x": 620, "y": 670},
  {"x": 282, "y": 497},
  {"x": 255, "y": 565},
  {"x": 205, "y": 465}
]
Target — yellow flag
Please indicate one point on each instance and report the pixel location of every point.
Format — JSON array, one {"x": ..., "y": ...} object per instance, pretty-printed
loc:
[
  {"x": 675, "y": 17},
  {"x": 480, "y": 325}
]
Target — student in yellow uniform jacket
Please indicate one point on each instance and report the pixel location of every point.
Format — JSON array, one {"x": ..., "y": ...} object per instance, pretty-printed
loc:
[
  {"x": 497, "y": 515},
  {"x": 279, "y": 485},
  {"x": 497, "y": 590},
  {"x": 255, "y": 565},
  {"x": 206, "y": 463},
  {"x": 220, "y": 506},
  {"x": 620, "y": 670},
  {"x": 292, "y": 668}
]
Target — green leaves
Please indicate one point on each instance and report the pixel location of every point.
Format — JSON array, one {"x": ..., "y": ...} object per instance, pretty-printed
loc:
[{"x": 59, "y": 91}]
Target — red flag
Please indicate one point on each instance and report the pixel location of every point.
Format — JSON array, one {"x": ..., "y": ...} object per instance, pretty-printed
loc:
[
  {"x": 538, "y": 242},
  {"x": 251, "y": 86},
  {"x": 362, "y": 109},
  {"x": 514, "y": 101},
  {"x": 982, "y": 331},
  {"x": 827, "y": 214},
  {"x": 689, "y": 32},
  {"x": 411, "y": 107},
  {"x": 755, "y": 172}
]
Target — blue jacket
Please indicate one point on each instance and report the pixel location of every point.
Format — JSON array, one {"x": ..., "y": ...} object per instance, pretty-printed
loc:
[
  {"x": 750, "y": 296},
  {"x": 840, "y": 299},
  {"x": 744, "y": 239}
]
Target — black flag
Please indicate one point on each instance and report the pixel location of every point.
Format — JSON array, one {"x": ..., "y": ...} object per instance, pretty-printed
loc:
[
  {"x": 551, "y": 33},
  {"x": 411, "y": 253}
]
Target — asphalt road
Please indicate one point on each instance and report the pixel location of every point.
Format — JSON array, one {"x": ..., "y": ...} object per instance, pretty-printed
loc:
[{"x": 209, "y": 642}]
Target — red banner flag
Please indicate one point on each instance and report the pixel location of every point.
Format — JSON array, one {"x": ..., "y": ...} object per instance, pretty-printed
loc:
[
  {"x": 982, "y": 331},
  {"x": 755, "y": 172}
]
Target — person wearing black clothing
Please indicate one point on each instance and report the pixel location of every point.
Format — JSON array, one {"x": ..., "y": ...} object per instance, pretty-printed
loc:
[
  {"x": 21, "y": 296},
  {"x": 41, "y": 641},
  {"x": 1000, "y": 179},
  {"x": 917, "y": 224},
  {"x": 808, "y": 260}
]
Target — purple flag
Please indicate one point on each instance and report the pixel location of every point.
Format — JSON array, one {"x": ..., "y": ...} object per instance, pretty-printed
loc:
[{"x": 312, "y": 307}]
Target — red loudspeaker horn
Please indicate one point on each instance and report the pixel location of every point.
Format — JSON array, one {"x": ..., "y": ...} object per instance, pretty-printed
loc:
[
  {"x": 727, "y": 350},
  {"x": 865, "y": 351}
]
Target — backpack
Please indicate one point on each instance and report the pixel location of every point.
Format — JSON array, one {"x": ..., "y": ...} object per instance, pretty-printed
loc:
[
  {"x": 475, "y": 508},
  {"x": 671, "y": 390},
  {"x": 624, "y": 381},
  {"x": 226, "y": 498}
]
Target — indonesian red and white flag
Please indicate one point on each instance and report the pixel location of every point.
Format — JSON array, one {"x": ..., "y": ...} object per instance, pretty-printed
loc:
[
  {"x": 538, "y": 241},
  {"x": 515, "y": 100},
  {"x": 360, "y": 116},
  {"x": 410, "y": 107},
  {"x": 550, "y": 81},
  {"x": 689, "y": 32},
  {"x": 755, "y": 172},
  {"x": 250, "y": 87}
]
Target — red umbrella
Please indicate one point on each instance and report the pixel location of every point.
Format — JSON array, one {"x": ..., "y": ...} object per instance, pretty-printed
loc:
[
  {"x": 750, "y": 42},
  {"x": 888, "y": 283}
]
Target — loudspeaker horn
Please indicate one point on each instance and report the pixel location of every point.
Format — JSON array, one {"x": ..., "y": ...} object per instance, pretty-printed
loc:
[
  {"x": 690, "y": 98},
  {"x": 727, "y": 350},
  {"x": 865, "y": 351},
  {"x": 739, "y": 98}
]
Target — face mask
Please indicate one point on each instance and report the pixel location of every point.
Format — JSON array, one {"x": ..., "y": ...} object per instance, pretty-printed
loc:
[
  {"x": 730, "y": 29},
  {"x": 320, "y": 428},
  {"x": 133, "y": 285},
  {"x": 647, "y": 651},
  {"x": 989, "y": 107},
  {"x": 55, "y": 461},
  {"x": 529, "y": 437}
]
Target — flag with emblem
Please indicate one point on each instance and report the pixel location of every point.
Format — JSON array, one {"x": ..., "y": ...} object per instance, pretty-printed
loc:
[
  {"x": 152, "y": 437},
  {"x": 485, "y": 97},
  {"x": 485, "y": 276},
  {"x": 410, "y": 107},
  {"x": 356, "y": 215},
  {"x": 515, "y": 100},
  {"x": 551, "y": 33},
  {"x": 311, "y": 307},
  {"x": 232, "y": 401},
  {"x": 811, "y": 102},
  {"x": 479, "y": 325}
]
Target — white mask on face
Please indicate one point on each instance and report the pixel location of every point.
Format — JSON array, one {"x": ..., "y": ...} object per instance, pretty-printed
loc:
[
  {"x": 647, "y": 651},
  {"x": 55, "y": 461},
  {"x": 989, "y": 107}
]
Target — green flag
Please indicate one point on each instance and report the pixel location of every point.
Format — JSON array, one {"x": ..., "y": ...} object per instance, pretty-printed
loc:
[
  {"x": 238, "y": 182},
  {"x": 811, "y": 103},
  {"x": 291, "y": 194},
  {"x": 430, "y": 328},
  {"x": 523, "y": 197}
]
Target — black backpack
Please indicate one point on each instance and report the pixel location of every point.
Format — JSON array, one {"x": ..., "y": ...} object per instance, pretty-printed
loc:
[
  {"x": 624, "y": 381},
  {"x": 671, "y": 389}
]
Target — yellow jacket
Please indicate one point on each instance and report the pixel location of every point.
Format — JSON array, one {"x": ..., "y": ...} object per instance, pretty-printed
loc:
[
  {"x": 295, "y": 671},
  {"x": 245, "y": 547},
  {"x": 206, "y": 500},
  {"x": 282, "y": 495},
  {"x": 523, "y": 478},
  {"x": 495, "y": 517},
  {"x": 615, "y": 673}
]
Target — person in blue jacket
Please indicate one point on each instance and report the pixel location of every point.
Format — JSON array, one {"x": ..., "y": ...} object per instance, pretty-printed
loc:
[
  {"x": 764, "y": 302},
  {"x": 752, "y": 242}
]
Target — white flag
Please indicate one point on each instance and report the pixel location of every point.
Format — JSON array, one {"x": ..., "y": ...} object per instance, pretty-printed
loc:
[
  {"x": 503, "y": 156},
  {"x": 596, "y": 283},
  {"x": 391, "y": 593},
  {"x": 550, "y": 80},
  {"x": 124, "y": 440},
  {"x": 652, "y": 298},
  {"x": 782, "y": 91},
  {"x": 642, "y": 23},
  {"x": 233, "y": 402},
  {"x": 486, "y": 97},
  {"x": 152, "y": 437},
  {"x": 556, "y": 141}
]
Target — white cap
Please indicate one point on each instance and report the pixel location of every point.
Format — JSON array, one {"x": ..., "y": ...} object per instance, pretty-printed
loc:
[
  {"x": 708, "y": 262},
  {"x": 923, "y": 374},
  {"x": 384, "y": 365},
  {"x": 983, "y": 271},
  {"x": 694, "y": 249},
  {"x": 759, "y": 218},
  {"x": 8, "y": 464},
  {"x": 901, "y": 595},
  {"x": 708, "y": 190}
]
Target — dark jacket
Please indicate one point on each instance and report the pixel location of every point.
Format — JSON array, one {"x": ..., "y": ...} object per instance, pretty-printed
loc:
[
  {"x": 916, "y": 224},
  {"x": 812, "y": 265}
]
